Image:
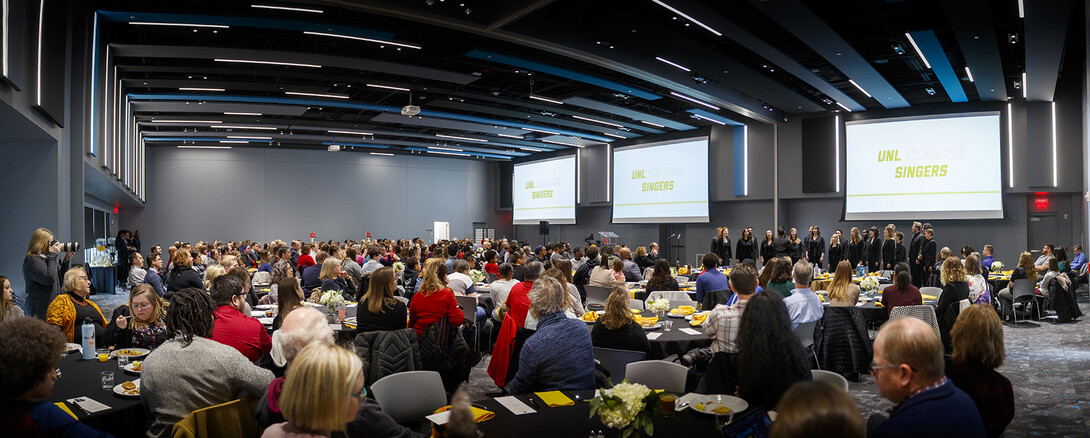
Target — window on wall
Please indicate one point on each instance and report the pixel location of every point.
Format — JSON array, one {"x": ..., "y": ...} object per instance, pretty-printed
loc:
[{"x": 96, "y": 225}]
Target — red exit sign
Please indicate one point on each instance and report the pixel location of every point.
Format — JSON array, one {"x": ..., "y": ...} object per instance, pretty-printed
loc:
[{"x": 1040, "y": 203}]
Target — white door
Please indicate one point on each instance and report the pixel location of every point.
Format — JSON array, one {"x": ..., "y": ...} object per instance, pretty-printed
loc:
[{"x": 442, "y": 231}]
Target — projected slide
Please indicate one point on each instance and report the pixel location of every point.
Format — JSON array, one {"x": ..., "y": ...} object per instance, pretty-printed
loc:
[
  {"x": 661, "y": 182},
  {"x": 946, "y": 167},
  {"x": 544, "y": 191}
]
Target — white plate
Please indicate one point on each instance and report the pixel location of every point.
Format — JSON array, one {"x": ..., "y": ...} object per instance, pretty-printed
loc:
[
  {"x": 265, "y": 306},
  {"x": 130, "y": 368},
  {"x": 140, "y": 352},
  {"x": 710, "y": 402},
  {"x": 677, "y": 315},
  {"x": 71, "y": 347},
  {"x": 121, "y": 391},
  {"x": 690, "y": 317},
  {"x": 657, "y": 326}
]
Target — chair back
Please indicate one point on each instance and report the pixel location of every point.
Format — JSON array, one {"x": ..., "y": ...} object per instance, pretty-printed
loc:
[
  {"x": 805, "y": 333},
  {"x": 675, "y": 303},
  {"x": 838, "y": 381},
  {"x": 261, "y": 277},
  {"x": 469, "y": 308},
  {"x": 402, "y": 299},
  {"x": 234, "y": 419},
  {"x": 669, "y": 295},
  {"x": 490, "y": 277},
  {"x": 658, "y": 374},
  {"x": 1023, "y": 289},
  {"x": 596, "y": 296},
  {"x": 933, "y": 291},
  {"x": 682, "y": 279},
  {"x": 636, "y": 304},
  {"x": 925, "y": 313},
  {"x": 615, "y": 361},
  {"x": 410, "y": 395},
  {"x": 713, "y": 298},
  {"x": 647, "y": 273}
]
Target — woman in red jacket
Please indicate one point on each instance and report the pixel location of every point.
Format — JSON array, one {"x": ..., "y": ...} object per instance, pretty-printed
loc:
[
  {"x": 518, "y": 305},
  {"x": 435, "y": 300}
]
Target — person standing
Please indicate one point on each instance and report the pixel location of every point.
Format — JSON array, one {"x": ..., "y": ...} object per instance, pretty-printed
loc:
[
  {"x": 766, "y": 247},
  {"x": 815, "y": 249},
  {"x": 721, "y": 245},
  {"x": 781, "y": 247},
  {"x": 889, "y": 247},
  {"x": 855, "y": 248},
  {"x": 126, "y": 243},
  {"x": 795, "y": 248},
  {"x": 899, "y": 254},
  {"x": 836, "y": 251},
  {"x": 914, "y": 249},
  {"x": 927, "y": 253},
  {"x": 747, "y": 246},
  {"x": 874, "y": 251},
  {"x": 43, "y": 271}
]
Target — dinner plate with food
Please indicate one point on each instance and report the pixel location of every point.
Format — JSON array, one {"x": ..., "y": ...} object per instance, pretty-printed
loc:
[
  {"x": 716, "y": 404},
  {"x": 131, "y": 353},
  {"x": 650, "y": 323},
  {"x": 681, "y": 311},
  {"x": 265, "y": 306},
  {"x": 70, "y": 347},
  {"x": 129, "y": 389},
  {"x": 135, "y": 367}
]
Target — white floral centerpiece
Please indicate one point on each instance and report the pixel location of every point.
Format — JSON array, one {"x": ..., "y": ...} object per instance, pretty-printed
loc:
[
  {"x": 476, "y": 275},
  {"x": 659, "y": 306},
  {"x": 399, "y": 267},
  {"x": 997, "y": 266},
  {"x": 869, "y": 283},
  {"x": 627, "y": 407},
  {"x": 331, "y": 299}
]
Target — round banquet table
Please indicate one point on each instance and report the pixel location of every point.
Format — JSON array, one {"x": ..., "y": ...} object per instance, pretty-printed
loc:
[
  {"x": 674, "y": 341},
  {"x": 575, "y": 421},
  {"x": 81, "y": 378}
]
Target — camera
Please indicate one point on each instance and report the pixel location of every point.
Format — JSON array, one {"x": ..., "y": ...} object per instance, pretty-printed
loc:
[{"x": 69, "y": 246}]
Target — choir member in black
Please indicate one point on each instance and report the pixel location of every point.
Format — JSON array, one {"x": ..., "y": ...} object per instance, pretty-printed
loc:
[
  {"x": 889, "y": 247},
  {"x": 796, "y": 249},
  {"x": 914, "y": 248},
  {"x": 855, "y": 248},
  {"x": 781, "y": 247},
  {"x": 900, "y": 255},
  {"x": 874, "y": 251},
  {"x": 927, "y": 252},
  {"x": 747, "y": 246},
  {"x": 836, "y": 251},
  {"x": 721, "y": 245},
  {"x": 766, "y": 247},
  {"x": 806, "y": 241},
  {"x": 815, "y": 248}
]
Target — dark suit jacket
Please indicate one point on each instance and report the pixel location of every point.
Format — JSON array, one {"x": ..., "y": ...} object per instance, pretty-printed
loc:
[
  {"x": 929, "y": 251},
  {"x": 915, "y": 247},
  {"x": 900, "y": 257},
  {"x": 721, "y": 248},
  {"x": 781, "y": 247},
  {"x": 942, "y": 411},
  {"x": 874, "y": 251},
  {"x": 889, "y": 251}
]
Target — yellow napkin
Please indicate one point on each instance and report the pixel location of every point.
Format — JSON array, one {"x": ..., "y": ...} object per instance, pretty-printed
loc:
[
  {"x": 699, "y": 319},
  {"x": 555, "y": 399},
  {"x": 264, "y": 290},
  {"x": 822, "y": 297},
  {"x": 929, "y": 297},
  {"x": 64, "y": 408},
  {"x": 590, "y": 316},
  {"x": 636, "y": 311},
  {"x": 481, "y": 415},
  {"x": 879, "y": 304},
  {"x": 631, "y": 293}
]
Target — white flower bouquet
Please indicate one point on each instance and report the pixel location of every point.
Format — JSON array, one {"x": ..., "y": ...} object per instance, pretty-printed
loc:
[
  {"x": 658, "y": 305},
  {"x": 331, "y": 299},
  {"x": 869, "y": 283},
  {"x": 627, "y": 407},
  {"x": 399, "y": 267},
  {"x": 476, "y": 275},
  {"x": 997, "y": 266}
]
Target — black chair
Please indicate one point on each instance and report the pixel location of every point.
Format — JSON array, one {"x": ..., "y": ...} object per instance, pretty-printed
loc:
[
  {"x": 616, "y": 361},
  {"x": 713, "y": 298},
  {"x": 1024, "y": 294}
]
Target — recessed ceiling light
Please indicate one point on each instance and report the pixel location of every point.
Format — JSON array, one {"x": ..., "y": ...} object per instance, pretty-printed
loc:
[
  {"x": 652, "y": 124},
  {"x": 698, "y": 116},
  {"x": 228, "y": 113},
  {"x": 918, "y": 52},
  {"x": 676, "y": 11},
  {"x": 204, "y": 147},
  {"x": 445, "y": 149},
  {"x": 200, "y": 89},
  {"x": 672, "y": 63},
  {"x": 860, "y": 88},
  {"x": 349, "y": 132},
  {"x": 565, "y": 144},
  {"x": 234, "y": 141},
  {"x": 203, "y": 122},
  {"x": 969, "y": 73},
  {"x": 542, "y": 131},
  {"x": 694, "y": 100},
  {"x": 845, "y": 107},
  {"x": 597, "y": 121},
  {"x": 615, "y": 135},
  {"x": 460, "y": 138},
  {"x": 261, "y": 128},
  {"x": 332, "y": 96},
  {"x": 382, "y": 153},
  {"x": 249, "y": 138}
]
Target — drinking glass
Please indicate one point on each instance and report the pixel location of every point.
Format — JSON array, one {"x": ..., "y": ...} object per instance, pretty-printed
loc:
[
  {"x": 668, "y": 403},
  {"x": 667, "y": 325},
  {"x": 340, "y": 312},
  {"x": 122, "y": 361},
  {"x": 107, "y": 380},
  {"x": 721, "y": 420},
  {"x": 103, "y": 354}
]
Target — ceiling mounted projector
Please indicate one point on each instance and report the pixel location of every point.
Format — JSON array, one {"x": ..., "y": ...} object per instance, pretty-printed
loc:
[
  {"x": 333, "y": 148},
  {"x": 410, "y": 110}
]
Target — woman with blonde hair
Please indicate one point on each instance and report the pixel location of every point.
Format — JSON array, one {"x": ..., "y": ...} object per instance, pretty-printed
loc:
[
  {"x": 435, "y": 300},
  {"x": 843, "y": 292},
  {"x": 1024, "y": 271},
  {"x": 978, "y": 287},
  {"x": 323, "y": 391},
  {"x": 281, "y": 270},
  {"x": 211, "y": 273},
  {"x": 978, "y": 350},
  {"x": 69, "y": 310},
  {"x": 954, "y": 289},
  {"x": 42, "y": 271},
  {"x": 616, "y": 328},
  {"x": 333, "y": 278},
  {"x": 889, "y": 247},
  {"x": 8, "y": 308},
  {"x": 561, "y": 271},
  {"x": 378, "y": 309},
  {"x": 856, "y": 253},
  {"x": 146, "y": 328},
  {"x": 795, "y": 249}
]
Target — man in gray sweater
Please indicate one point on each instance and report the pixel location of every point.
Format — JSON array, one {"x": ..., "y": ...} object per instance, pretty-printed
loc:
[{"x": 191, "y": 372}]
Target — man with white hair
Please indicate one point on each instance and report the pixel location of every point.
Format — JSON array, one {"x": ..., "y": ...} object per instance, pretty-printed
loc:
[
  {"x": 302, "y": 327},
  {"x": 560, "y": 355},
  {"x": 803, "y": 305}
]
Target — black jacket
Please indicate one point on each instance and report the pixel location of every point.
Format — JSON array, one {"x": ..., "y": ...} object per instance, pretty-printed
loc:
[
  {"x": 644, "y": 262},
  {"x": 855, "y": 252},
  {"x": 181, "y": 277},
  {"x": 815, "y": 248},
  {"x": 889, "y": 251},
  {"x": 721, "y": 248},
  {"x": 836, "y": 254},
  {"x": 874, "y": 253},
  {"x": 915, "y": 247},
  {"x": 947, "y": 310},
  {"x": 900, "y": 255},
  {"x": 929, "y": 251},
  {"x": 746, "y": 249},
  {"x": 630, "y": 337},
  {"x": 781, "y": 247},
  {"x": 767, "y": 251},
  {"x": 841, "y": 342}
]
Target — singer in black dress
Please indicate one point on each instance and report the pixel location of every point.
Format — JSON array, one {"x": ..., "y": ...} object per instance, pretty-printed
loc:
[
  {"x": 747, "y": 247},
  {"x": 874, "y": 251},
  {"x": 889, "y": 248},
  {"x": 836, "y": 251},
  {"x": 766, "y": 247},
  {"x": 855, "y": 248},
  {"x": 815, "y": 248}
]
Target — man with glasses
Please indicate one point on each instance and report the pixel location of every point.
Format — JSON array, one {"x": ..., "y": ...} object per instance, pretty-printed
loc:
[
  {"x": 909, "y": 370},
  {"x": 233, "y": 327}
]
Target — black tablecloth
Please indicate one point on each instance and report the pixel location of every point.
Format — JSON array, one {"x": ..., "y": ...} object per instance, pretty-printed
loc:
[
  {"x": 674, "y": 341},
  {"x": 81, "y": 378},
  {"x": 575, "y": 421},
  {"x": 103, "y": 279}
]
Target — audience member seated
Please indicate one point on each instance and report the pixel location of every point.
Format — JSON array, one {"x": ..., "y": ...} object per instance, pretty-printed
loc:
[
  {"x": 723, "y": 321},
  {"x": 954, "y": 289},
  {"x": 632, "y": 271},
  {"x": 248, "y": 298},
  {"x": 909, "y": 371},
  {"x": 978, "y": 350},
  {"x": 137, "y": 273},
  {"x": 561, "y": 271},
  {"x": 281, "y": 270},
  {"x": 817, "y": 410},
  {"x": 490, "y": 265},
  {"x": 517, "y": 308},
  {"x": 843, "y": 292},
  {"x": 1079, "y": 260},
  {"x": 333, "y": 278},
  {"x": 70, "y": 310},
  {"x": 616, "y": 328},
  {"x": 459, "y": 281},
  {"x": 291, "y": 299},
  {"x": 378, "y": 309},
  {"x": 233, "y": 327},
  {"x": 986, "y": 262},
  {"x": 500, "y": 288},
  {"x": 902, "y": 292},
  {"x": 435, "y": 301},
  {"x": 211, "y": 274},
  {"x": 618, "y": 271},
  {"x": 711, "y": 279},
  {"x": 602, "y": 275},
  {"x": 178, "y": 376},
  {"x": 411, "y": 275},
  {"x": 312, "y": 275},
  {"x": 770, "y": 357},
  {"x": 147, "y": 329},
  {"x": 263, "y": 262},
  {"x": 661, "y": 278},
  {"x": 518, "y": 265},
  {"x": 8, "y": 308},
  {"x": 560, "y": 355},
  {"x": 305, "y": 260},
  {"x": 153, "y": 276},
  {"x": 777, "y": 276},
  {"x": 30, "y": 350},
  {"x": 1041, "y": 264},
  {"x": 322, "y": 392},
  {"x": 1025, "y": 270},
  {"x": 643, "y": 260},
  {"x": 803, "y": 305},
  {"x": 1053, "y": 274},
  {"x": 300, "y": 328},
  {"x": 974, "y": 275},
  {"x": 182, "y": 274}
]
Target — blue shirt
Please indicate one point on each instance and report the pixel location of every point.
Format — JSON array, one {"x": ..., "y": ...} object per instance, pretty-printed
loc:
[
  {"x": 559, "y": 356},
  {"x": 711, "y": 279},
  {"x": 1078, "y": 261},
  {"x": 54, "y": 422},
  {"x": 803, "y": 306},
  {"x": 310, "y": 278},
  {"x": 987, "y": 263},
  {"x": 153, "y": 278}
]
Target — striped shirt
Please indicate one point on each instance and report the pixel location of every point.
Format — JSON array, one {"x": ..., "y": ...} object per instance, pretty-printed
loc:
[{"x": 722, "y": 326}]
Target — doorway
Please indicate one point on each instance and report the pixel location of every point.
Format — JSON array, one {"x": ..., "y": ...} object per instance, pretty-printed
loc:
[{"x": 1043, "y": 228}]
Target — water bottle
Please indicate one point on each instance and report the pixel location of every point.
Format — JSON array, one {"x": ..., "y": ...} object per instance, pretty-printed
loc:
[{"x": 88, "y": 340}]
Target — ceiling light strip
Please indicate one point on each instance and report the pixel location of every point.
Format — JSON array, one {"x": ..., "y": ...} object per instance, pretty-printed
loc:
[
  {"x": 203, "y": 122},
  {"x": 371, "y": 40},
  {"x": 382, "y": 153},
  {"x": 228, "y": 113},
  {"x": 235, "y": 141},
  {"x": 597, "y": 121},
  {"x": 652, "y": 124},
  {"x": 388, "y": 87},
  {"x": 204, "y": 147},
  {"x": 249, "y": 137},
  {"x": 331, "y": 96},
  {"x": 149, "y": 23},
  {"x": 672, "y": 63},
  {"x": 200, "y": 89},
  {"x": 264, "y": 128},
  {"x": 845, "y": 107},
  {"x": 445, "y": 149},
  {"x": 1055, "y": 172},
  {"x": 455, "y": 137},
  {"x": 676, "y": 94},
  {"x": 332, "y": 131},
  {"x": 510, "y": 136},
  {"x": 836, "y": 151},
  {"x": 565, "y": 144},
  {"x": 969, "y": 73},
  {"x": 745, "y": 160},
  {"x": 545, "y": 99},
  {"x": 1024, "y": 86},
  {"x": 255, "y": 61},
  {"x": 286, "y": 8},
  {"x": 918, "y": 51},
  {"x": 708, "y": 119},
  {"x": 687, "y": 17},
  {"x": 1010, "y": 145},
  {"x": 616, "y": 136},
  {"x": 861, "y": 88}
]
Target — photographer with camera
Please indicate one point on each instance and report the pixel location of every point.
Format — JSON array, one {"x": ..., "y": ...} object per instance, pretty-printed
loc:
[
  {"x": 126, "y": 244},
  {"x": 42, "y": 270}
]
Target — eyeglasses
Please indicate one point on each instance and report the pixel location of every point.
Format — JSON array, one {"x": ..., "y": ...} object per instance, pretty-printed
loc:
[
  {"x": 142, "y": 305},
  {"x": 360, "y": 395},
  {"x": 874, "y": 367}
]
